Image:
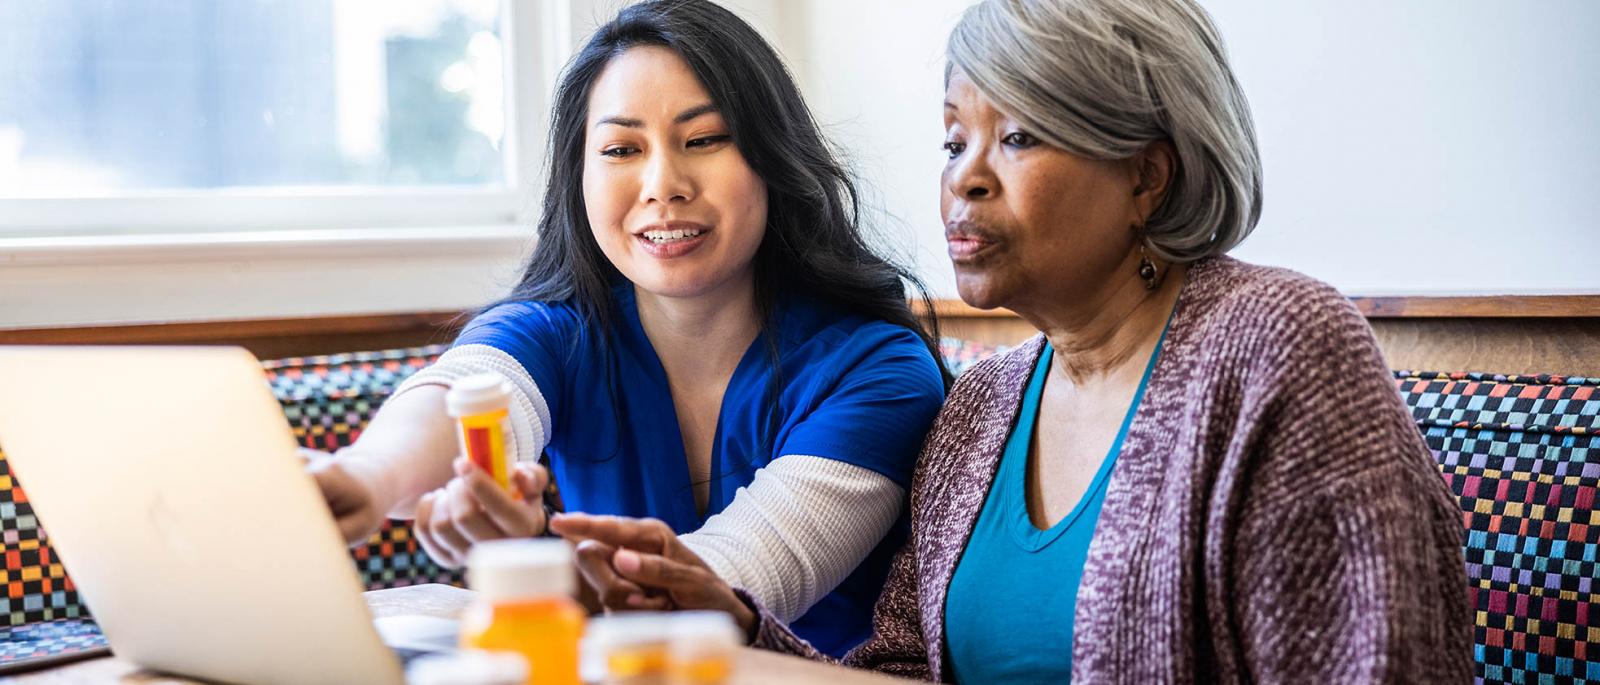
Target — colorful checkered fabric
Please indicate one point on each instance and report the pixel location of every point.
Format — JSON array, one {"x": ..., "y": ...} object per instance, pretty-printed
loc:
[
  {"x": 327, "y": 401},
  {"x": 37, "y": 588},
  {"x": 1523, "y": 455}
]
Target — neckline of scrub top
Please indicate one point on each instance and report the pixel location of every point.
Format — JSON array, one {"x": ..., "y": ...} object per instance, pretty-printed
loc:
[
  {"x": 1029, "y": 536},
  {"x": 676, "y": 470}
]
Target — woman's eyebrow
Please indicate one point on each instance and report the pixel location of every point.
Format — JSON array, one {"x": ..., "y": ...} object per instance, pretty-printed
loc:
[
  {"x": 693, "y": 112},
  {"x": 628, "y": 122},
  {"x": 683, "y": 117}
]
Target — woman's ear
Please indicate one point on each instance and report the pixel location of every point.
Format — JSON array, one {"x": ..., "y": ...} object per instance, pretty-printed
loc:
[{"x": 1155, "y": 167}]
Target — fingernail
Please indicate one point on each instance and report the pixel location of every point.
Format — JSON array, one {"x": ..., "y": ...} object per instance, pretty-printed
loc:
[
  {"x": 635, "y": 599},
  {"x": 627, "y": 561}
]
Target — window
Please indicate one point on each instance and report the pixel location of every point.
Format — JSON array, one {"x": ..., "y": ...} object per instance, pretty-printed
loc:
[{"x": 128, "y": 116}]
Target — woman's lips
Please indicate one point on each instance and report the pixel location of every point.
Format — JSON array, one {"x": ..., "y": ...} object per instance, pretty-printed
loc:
[
  {"x": 672, "y": 248},
  {"x": 670, "y": 239},
  {"x": 965, "y": 248},
  {"x": 967, "y": 241}
]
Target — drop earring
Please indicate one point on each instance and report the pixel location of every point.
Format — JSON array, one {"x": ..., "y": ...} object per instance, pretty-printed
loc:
[{"x": 1147, "y": 269}]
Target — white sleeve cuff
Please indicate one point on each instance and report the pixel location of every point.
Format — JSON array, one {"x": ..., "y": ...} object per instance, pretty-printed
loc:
[
  {"x": 799, "y": 529},
  {"x": 530, "y": 415}
]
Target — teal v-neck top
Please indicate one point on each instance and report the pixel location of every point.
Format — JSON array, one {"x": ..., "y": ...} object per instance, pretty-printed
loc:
[
  {"x": 844, "y": 387},
  {"x": 1009, "y": 609}
]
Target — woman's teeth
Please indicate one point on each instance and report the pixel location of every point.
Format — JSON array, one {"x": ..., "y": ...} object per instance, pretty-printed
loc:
[{"x": 669, "y": 236}]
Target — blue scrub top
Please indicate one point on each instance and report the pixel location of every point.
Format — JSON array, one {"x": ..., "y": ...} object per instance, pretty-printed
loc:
[{"x": 851, "y": 388}]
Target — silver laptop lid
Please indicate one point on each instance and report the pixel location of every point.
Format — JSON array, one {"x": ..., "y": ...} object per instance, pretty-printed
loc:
[{"x": 169, "y": 484}]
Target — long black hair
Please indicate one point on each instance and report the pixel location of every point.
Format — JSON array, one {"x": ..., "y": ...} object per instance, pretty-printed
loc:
[{"x": 813, "y": 242}]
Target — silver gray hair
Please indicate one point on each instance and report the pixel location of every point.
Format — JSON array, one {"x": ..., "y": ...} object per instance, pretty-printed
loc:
[{"x": 1104, "y": 78}]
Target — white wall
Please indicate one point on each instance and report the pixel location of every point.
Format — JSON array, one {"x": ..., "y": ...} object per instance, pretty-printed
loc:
[
  {"x": 1426, "y": 146},
  {"x": 873, "y": 73},
  {"x": 1421, "y": 147}
]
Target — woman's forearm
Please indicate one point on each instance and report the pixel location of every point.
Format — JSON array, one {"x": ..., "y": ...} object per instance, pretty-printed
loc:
[
  {"x": 800, "y": 527},
  {"x": 406, "y": 450}
]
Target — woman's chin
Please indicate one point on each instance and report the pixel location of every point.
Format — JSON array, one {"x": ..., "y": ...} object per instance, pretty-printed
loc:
[
  {"x": 979, "y": 291},
  {"x": 672, "y": 289},
  {"x": 679, "y": 284}
]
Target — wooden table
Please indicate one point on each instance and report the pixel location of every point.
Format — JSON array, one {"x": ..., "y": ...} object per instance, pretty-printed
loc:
[{"x": 755, "y": 666}]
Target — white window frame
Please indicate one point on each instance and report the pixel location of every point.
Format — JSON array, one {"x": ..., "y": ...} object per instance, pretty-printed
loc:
[
  {"x": 538, "y": 36},
  {"x": 314, "y": 251}
]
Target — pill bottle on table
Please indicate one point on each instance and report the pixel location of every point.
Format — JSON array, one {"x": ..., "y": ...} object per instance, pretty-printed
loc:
[
  {"x": 703, "y": 649},
  {"x": 481, "y": 406},
  {"x": 628, "y": 648},
  {"x": 525, "y": 605}
]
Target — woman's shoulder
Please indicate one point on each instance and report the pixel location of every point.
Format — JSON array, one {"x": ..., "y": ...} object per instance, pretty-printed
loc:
[
  {"x": 997, "y": 378},
  {"x": 1263, "y": 305},
  {"x": 831, "y": 330},
  {"x": 528, "y": 315},
  {"x": 525, "y": 327}
]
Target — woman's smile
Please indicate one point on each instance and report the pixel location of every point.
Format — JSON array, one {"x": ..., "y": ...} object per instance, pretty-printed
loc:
[{"x": 672, "y": 239}]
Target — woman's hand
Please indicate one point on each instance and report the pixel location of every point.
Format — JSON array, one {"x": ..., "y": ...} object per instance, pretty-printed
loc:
[
  {"x": 353, "y": 489},
  {"x": 472, "y": 508},
  {"x": 639, "y": 564}
]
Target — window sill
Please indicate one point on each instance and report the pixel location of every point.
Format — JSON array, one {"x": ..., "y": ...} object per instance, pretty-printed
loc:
[
  {"x": 281, "y": 244},
  {"x": 136, "y": 279}
]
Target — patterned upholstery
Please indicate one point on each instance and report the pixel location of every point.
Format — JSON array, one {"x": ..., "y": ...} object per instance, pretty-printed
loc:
[
  {"x": 327, "y": 401},
  {"x": 41, "y": 615},
  {"x": 36, "y": 586},
  {"x": 1523, "y": 455}
]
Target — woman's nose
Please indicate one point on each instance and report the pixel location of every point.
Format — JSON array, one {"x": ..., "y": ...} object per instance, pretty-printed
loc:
[
  {"x": 970, "y": 177},
  {"x": 666, "y": 181}
]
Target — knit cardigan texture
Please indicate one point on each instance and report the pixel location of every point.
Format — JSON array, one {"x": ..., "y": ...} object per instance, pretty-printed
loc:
[{"x": 1274, "y": 515}]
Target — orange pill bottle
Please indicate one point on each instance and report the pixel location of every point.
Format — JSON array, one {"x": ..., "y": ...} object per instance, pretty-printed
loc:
[
  {"x": 525, "y": 605},
  {"x": 481, "y": 406}
]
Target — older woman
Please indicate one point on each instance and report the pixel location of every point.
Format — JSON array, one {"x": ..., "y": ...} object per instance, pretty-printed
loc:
[{"x": 1200, "y": 471}]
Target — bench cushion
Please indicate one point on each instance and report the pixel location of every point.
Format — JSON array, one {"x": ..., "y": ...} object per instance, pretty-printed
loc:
[{"x": 1522, "y": 454}]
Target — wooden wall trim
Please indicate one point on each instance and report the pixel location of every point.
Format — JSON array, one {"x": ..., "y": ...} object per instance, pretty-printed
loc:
[
  {"x": 266, "y": 338},
  {"x": 1531, "y": 306},
  {"x": 1477, "y": 307},
  {"x": 1480, "y": 307},
  {"x": 959, "y": 309},
  {"x": 286, "y": 337},
  {"x": 220, "y": 331}
]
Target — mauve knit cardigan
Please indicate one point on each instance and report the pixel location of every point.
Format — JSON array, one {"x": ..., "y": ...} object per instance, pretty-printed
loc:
[{"x": 1274, "y": 515}]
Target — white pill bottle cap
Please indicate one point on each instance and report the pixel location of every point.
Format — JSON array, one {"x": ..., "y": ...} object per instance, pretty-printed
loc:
[
  {"x": 478, "y": 394},
  {"x": 508, "y": 570}
]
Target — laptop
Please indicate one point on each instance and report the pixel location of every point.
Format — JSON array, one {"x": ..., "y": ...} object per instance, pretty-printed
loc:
[{"x": 171, "y": 487}]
